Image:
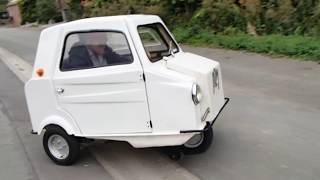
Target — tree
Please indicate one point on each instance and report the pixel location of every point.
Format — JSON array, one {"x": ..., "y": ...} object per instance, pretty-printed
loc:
[
  {"x": 28, "y": 11},
  {"x": 3, "y": 5},
  {"x": 47, "y": 10}
]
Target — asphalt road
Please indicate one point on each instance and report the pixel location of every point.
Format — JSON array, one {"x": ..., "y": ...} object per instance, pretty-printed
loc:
[{"x": 270, "y": 130}]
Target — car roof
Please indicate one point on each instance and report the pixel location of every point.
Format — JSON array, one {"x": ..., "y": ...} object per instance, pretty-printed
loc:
[
  {"x": 107, "y": 19},
  {"x": 50, "y": 42}
]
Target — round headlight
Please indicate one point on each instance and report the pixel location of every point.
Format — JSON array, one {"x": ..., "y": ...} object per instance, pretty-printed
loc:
[{"x": 196, "y": 94}]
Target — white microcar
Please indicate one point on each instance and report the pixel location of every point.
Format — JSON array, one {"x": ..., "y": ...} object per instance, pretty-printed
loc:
[{"x": 121, "y": 78}]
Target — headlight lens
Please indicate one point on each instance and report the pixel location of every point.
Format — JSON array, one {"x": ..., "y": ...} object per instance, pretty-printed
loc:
[{"x": 196, "y": 94}]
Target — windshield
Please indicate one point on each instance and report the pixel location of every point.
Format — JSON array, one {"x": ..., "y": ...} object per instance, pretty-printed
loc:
[{"x": 156, "y": 41}]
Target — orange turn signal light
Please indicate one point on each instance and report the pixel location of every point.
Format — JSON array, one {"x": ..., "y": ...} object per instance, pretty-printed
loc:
[{"x": 40, "y": 72}]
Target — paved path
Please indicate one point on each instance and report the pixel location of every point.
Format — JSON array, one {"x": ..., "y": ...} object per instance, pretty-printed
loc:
[
  {"x": 14, "y": 160},
  {"x": 270, "y": 130},
  {"x": 22, "y": 42}
]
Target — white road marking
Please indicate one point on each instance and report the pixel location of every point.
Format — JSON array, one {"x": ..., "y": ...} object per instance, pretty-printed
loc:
[
  {"x": 122, "y": 162},
  {"x": 17, "y": 65}
]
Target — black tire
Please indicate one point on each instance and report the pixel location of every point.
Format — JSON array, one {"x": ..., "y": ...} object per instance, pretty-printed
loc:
[
  {"x": 203, "y": 146},
  {"x": 72, "y": 142}
]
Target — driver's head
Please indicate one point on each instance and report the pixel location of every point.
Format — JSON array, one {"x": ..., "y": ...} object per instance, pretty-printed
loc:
[{"x": 96, "y": 41}]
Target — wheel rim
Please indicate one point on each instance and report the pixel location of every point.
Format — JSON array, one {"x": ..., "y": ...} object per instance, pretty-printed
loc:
[
  {"x": 58, "y": 146},
  {"x": 195, "y": 141}
]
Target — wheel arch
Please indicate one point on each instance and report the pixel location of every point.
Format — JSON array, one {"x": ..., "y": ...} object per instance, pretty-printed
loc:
[{"x": 58, "y": 121}]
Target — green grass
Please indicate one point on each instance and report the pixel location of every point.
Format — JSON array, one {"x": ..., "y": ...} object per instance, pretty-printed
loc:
[{"x": 298, "y": 46}]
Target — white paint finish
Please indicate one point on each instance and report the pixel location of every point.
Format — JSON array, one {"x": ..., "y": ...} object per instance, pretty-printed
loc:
[
  {"x": 144, "y": 140},
  {"x": 40, "y": 102},
  {"x": 160, "y": 168},
  {"x": 105, "y": 100},
  {"x": 43, "y": 107},
  {"x": 201, "y": 69},
  {"x": 169, "y": 95},
  {"x": 114, "y": 102},
  {"x": 48, "y": 51}
]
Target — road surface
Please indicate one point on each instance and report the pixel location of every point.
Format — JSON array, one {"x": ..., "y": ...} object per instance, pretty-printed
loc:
[{"x": 270, "y": 130}]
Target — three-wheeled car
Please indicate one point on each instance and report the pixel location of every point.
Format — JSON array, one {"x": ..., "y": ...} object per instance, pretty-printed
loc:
[{"x": 122, "y": 78}]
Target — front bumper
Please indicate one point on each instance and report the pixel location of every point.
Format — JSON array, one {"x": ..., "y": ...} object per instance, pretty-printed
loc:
[{"x": 209, "y": 124}]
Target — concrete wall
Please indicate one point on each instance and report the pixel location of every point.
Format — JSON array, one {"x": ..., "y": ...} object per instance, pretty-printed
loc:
[{"x": 14, "y": 12}]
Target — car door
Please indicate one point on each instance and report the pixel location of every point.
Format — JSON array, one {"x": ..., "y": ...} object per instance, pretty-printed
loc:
[{"x": 100, "y": 84}]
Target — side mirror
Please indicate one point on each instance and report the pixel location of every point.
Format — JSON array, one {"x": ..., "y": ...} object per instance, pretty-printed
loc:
[{"x": 170, "y": 49}]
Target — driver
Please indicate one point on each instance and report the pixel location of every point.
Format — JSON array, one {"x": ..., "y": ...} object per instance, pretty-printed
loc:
[{"x": 92, "y": 51}]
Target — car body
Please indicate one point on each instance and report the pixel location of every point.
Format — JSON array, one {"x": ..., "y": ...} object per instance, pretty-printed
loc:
[
  {"x": 4, "y": 17},
  {"x": 148, "y": 101}
]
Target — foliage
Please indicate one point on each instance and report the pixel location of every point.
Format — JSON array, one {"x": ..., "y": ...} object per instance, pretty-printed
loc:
[
  {"x": 289, "y": 27},
  {"x": 28, "y": 10},
  {"x": 77, "y": 10},
  {"x": 39, "y": 10},
  {"x": 218, "y": 15},
  {"x": 46, "y": 10},
  {"x": 290, "y": 17},
  {"x": 3, "y": 5},
  {"x": 257, "y": 17},
  {"x": 306, "y": 47}
]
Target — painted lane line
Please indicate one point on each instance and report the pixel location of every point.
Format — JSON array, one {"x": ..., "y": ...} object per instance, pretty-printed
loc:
[
  {"x": 17, "y": 65},
  {"x": 118, "y": 159}
]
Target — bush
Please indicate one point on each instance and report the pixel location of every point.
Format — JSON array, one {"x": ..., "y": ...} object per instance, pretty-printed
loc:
[
  {"x": 46, "y": 10},
  {"x": 28, "y": 11},
  {"x": 305, "y": 47},
  {"x": 288, "y": 27},
  {"x": 287, "y": 17},
  {"x": 39, "y": 10}
]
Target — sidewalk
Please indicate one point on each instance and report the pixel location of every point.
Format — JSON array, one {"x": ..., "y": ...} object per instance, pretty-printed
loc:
[{"x": 14, "y": 164}]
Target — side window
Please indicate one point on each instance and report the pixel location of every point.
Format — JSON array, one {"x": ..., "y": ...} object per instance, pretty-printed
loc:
[
  {"x": 156, "y": 41},
  {"x": 84, "y": 50},
  {"x": 151, "y": 39}
]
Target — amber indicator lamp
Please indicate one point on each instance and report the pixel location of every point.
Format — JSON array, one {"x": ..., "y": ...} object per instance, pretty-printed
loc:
[{"x": 40, "y": 72}]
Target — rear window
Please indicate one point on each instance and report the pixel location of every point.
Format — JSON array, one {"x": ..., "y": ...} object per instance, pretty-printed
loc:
[{"x": 84, "y": 50}]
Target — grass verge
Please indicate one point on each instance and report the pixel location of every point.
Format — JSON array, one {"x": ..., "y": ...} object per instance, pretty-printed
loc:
[{"x": 298, "y": 46}]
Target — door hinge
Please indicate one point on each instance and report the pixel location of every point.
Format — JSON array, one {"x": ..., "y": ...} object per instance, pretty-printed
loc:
[{"x": 144, "y": 77}]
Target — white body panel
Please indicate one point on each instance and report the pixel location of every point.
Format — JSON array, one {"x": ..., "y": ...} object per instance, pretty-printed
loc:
[
  {"x": 115, "y": 102},
  {"x": 111, "y": 100}
]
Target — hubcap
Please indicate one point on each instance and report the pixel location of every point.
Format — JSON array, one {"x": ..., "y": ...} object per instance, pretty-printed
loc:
[
  {"x": 195, "y": 141},
  {"x": 58, "y": 146}
]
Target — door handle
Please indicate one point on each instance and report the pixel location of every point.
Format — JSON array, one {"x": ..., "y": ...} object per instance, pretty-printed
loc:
[{"x": 60, "y": 90}]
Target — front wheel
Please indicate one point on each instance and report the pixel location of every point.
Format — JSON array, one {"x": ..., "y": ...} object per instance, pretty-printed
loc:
[
  {"x": 199, "y": 143},
  {"x": 62, "y": 148}
]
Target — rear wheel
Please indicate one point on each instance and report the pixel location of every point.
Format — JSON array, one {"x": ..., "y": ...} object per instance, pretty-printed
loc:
[
  {"x": 199, "y": 143},
  {"x": 62, "y": 148}
]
